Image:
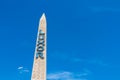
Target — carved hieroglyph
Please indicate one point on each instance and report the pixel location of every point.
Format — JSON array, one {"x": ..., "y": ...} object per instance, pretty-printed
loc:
[{"x": 39, "y": 65}]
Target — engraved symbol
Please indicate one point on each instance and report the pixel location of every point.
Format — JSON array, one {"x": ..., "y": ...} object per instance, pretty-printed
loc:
[{"x": 40, "y": 45}]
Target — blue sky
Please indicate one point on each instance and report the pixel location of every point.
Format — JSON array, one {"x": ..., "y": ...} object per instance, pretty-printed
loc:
[{"x": 83, "y": 38}]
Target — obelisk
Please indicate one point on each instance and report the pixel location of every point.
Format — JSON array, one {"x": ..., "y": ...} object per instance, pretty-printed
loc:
[{"x": 39, "y": 65}]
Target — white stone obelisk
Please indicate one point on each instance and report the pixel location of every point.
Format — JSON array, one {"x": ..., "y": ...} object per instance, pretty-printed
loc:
[{"x": 39, "y": 65}]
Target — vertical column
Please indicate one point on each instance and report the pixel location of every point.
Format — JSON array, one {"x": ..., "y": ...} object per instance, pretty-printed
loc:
[{"x": 39, "y": 65}]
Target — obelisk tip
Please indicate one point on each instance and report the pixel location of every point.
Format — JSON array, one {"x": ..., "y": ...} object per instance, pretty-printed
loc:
[
  {"x": 43, "y": 16},
  {"x": 42, "y": 21}
]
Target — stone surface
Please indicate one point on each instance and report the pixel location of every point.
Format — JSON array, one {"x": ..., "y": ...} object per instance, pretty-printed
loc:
[{"x": 39, "y": 65}]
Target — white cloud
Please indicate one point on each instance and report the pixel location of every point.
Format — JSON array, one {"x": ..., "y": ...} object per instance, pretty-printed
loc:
[
  {"x": 21, "y": 70},
  {"x": 20, "y": 67},
  {"x": 65, "y": 75}
]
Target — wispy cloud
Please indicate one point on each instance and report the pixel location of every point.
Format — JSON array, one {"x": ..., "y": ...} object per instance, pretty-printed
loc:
[
  {"x": 20, "y": 67},
  {"x": 104, "y": 9},
  {"x": 21, "y": 70},
  {"x": 91, "y": 61},
  {"x": 65, "y": 75},
  {"x": 64, "y": 56}
]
